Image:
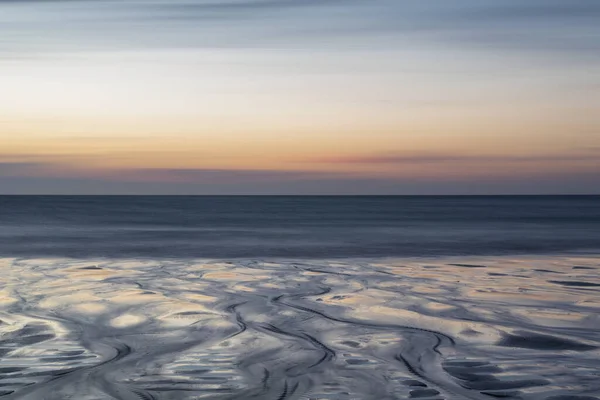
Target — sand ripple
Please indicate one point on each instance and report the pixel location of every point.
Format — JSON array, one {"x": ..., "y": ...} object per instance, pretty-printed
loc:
[{"x": 355, "y": 329}]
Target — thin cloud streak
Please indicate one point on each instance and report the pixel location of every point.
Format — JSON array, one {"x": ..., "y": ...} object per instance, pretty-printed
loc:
[
  {"x": 54, "y": 178},
  {"x": 216, "y": 176},
  {"x": 74, "y": 25},
  {"x": 454, "y": 159},
  {"x": 166, "y": 175},
  {"x": 16, "y": 169},
  {"x": 563, "y": 184}
]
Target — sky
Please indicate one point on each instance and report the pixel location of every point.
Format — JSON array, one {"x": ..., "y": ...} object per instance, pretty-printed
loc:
[{"x": 299, "y": 97}]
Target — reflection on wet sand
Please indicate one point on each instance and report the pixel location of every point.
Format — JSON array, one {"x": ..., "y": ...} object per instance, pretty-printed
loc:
[{"x": 356, "y": 329}]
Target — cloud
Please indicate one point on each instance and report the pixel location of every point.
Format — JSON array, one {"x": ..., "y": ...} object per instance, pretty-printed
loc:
[
  {"x": 534, "y": 10},
  {"x": 13, "y": 169},
  {"x": 454, "y": 159},
  {"x": 88, "y": 25},
  {"x": 214, "y": 176},
  {"x": 591, "y": 149},
  {"x": 230, "y": 5},
  {"x": 544, "y": 184},
  {"x": 55, "y": 170},
  {"x": 56, "y": 178}
]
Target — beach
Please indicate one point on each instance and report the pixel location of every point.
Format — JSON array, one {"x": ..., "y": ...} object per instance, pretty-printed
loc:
[{"x": 382, "y": 328}]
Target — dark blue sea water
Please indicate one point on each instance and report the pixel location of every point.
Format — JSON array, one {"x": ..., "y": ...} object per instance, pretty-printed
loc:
[{"x": 296, "y": 226}]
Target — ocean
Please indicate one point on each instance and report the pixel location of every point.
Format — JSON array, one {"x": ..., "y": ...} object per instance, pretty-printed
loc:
[
  {"x": 284, "y": 297},
  {"x": 297, "y": 226}
]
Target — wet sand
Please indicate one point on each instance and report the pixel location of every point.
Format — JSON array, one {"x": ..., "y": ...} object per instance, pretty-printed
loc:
[{"x": 454, "y": 328}]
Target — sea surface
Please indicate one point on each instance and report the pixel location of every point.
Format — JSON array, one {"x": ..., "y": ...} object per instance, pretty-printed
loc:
[
  {"x": 296, "y": 226},
  {"x": 350, "y": 298}
]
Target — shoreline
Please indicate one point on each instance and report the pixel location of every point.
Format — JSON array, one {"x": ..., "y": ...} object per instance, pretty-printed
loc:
[{"x": 587, "y": 254}]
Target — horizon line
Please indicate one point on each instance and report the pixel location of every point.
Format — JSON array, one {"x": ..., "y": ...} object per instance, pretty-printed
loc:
[{"x": 298, "y": 195}]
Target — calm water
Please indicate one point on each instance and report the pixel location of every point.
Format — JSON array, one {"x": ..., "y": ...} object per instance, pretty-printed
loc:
[{"x": 289, "y": 226}]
